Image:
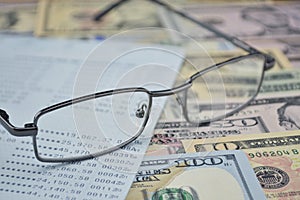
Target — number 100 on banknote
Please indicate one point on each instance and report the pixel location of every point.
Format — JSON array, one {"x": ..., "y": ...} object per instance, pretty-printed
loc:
[{"x": 214, "y": 175}]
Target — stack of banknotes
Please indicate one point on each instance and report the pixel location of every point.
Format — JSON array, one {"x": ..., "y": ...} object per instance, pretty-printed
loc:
[{"x": 254, "y": 154}]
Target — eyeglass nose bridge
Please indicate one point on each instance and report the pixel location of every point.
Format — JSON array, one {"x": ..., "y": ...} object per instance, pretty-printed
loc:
[
  {"x": 181, "y": 99},
  {"x": 168, "y": 92}
]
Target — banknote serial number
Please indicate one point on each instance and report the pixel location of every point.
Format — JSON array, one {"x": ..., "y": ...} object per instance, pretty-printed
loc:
[{"x": 274, "y": 153}]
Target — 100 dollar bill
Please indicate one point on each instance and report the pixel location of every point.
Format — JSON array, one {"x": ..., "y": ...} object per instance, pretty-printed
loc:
[
  {"x": 218, "y": 175},
  {"x": 273, "y": 156}
]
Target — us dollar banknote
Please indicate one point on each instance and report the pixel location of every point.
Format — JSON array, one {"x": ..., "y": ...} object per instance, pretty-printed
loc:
[
  {"x": 265, "y": 24},
  {"x": 258, "y": 19},
  {"x": 219, "y": 55},
  {"x": 167, "y": 136},
  {"x": 273, "y": 156},
  {"x": 267, "y": 115},
  {"x": 278, "y": 89},
  {"x": 73, "y": 18},
  {"x": 278, "y": 113},
  {"x": 275, "y": 109},
  {"x": 218, "y": 175},
  {"x": 275, "y": 83}
]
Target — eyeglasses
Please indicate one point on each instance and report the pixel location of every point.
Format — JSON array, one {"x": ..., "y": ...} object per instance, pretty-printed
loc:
[{"x": 122, "y": 114}]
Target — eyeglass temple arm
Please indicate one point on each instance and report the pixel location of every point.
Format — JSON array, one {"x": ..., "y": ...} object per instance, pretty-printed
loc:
[
  {"x": 234, "y": 40},
  {"x": 231, "y": 39},
  {"x": 28, "y": 130},
  {"x": 270, "y": 61},
  {"x": 108, "y": 9}
]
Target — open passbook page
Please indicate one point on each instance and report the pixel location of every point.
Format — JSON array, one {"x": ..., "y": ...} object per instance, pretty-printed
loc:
[{"x": 38, "y": 73}]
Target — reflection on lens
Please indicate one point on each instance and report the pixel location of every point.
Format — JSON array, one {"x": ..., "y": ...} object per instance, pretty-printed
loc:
[
  {"x": 223, "y": 89},
  {"x": 94, "y": 126}
]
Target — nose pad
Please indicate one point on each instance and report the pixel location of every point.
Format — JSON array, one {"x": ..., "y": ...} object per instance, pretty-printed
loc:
[
  {"x": 140, "y": 113},
  {"x": 179, "y": 101}
]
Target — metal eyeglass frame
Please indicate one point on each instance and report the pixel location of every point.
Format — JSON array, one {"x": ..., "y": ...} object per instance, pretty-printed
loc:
[{"x": 31, "y": 129}]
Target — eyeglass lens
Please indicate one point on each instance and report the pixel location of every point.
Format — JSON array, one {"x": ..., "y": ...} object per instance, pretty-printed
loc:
[{"x": 92, "y": 126}]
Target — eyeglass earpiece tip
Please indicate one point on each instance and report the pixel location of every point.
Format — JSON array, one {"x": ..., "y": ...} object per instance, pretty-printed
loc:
[
  {"x": 4, "y": 115},
  {"x": 270, "y": 62}
]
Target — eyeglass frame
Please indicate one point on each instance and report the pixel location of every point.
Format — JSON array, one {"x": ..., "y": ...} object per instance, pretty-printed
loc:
[{"x": 31, "y": 129}]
